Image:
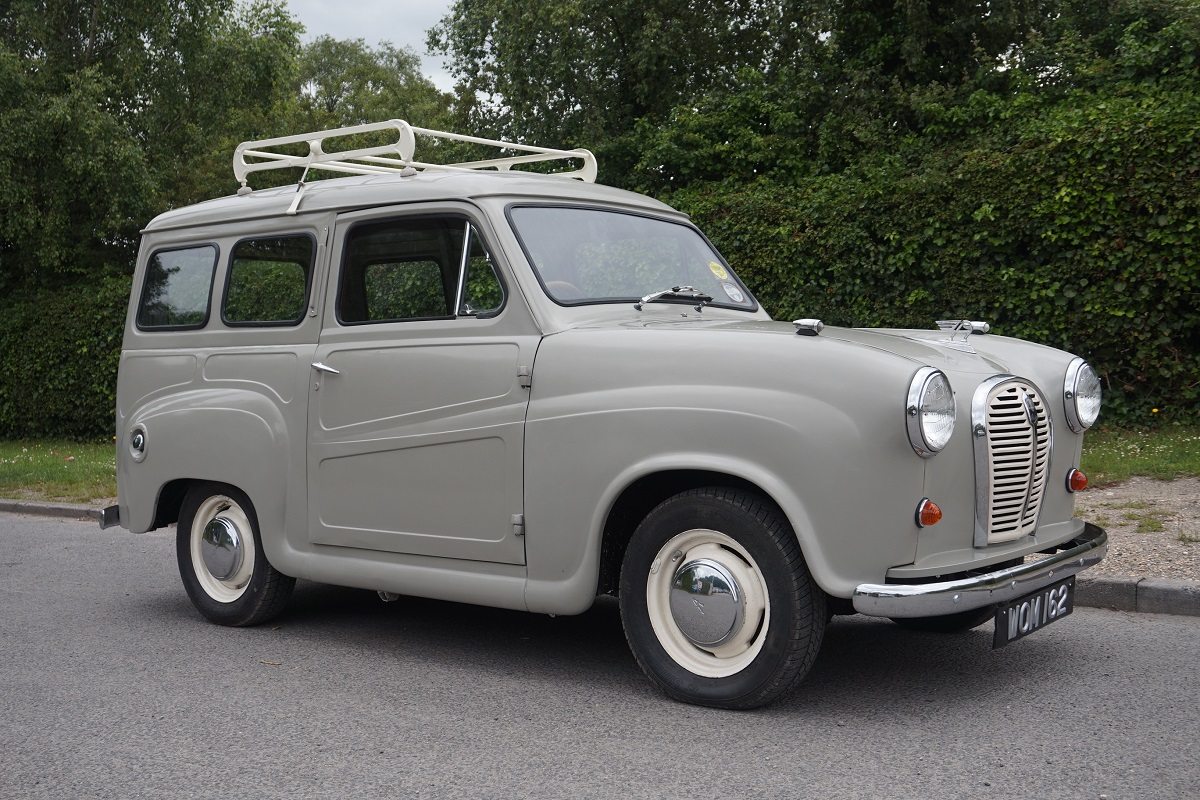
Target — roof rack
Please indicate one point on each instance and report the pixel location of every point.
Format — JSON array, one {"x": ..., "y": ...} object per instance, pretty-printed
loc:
[{"x": 396, "y": 157}]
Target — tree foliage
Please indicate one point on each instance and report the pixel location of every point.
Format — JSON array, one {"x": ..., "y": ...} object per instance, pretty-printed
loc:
[
  {"x": 113, "y": 112},
  {"x": 346, "y": 82},
  {"x": 586, "y": 71}
]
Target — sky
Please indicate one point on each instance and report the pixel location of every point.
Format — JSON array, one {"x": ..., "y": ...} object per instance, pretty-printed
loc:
[{"x": 401, "y": 22}]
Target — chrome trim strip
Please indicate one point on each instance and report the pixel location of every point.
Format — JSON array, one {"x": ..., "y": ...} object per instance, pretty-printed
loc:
[
  {"x": 462, "y": 271},
  {"x": 950, "y": 597},
  {"x": 979, "y": 431}
]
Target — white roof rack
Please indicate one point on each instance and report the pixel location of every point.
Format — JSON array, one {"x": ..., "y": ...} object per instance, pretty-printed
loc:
[{"x": 394, "y": 157}]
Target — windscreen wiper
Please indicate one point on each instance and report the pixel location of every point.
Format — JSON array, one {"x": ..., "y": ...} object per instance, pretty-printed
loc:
[{"x": 686, "y": 292}]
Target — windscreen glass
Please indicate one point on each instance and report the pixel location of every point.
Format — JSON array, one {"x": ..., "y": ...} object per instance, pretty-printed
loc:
[{"x": 587, "y": 255}]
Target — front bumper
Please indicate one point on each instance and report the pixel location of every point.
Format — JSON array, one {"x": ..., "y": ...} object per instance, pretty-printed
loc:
[{"x": 977, "y": 591}]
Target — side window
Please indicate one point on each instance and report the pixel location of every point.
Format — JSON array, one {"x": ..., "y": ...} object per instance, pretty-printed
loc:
[
  {"x": 177, "y": 288},
  {"x": 268, "y": 281},
  {"x": 410, "y": 269}
]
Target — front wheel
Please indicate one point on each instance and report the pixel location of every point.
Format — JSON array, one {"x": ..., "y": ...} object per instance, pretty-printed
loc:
[
  {"x": 221, "y": 560},
  {"x": 717, "y": 603}
]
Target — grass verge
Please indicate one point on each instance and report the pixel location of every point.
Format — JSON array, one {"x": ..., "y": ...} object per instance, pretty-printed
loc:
[
  {"x": 71, "y": 472},
  {"x": 1114, "y": 455}
]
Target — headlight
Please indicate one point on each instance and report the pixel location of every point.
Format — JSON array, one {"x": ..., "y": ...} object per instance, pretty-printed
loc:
[
  {"x": 930, "y": 411},
  {"x": 1081, "y": 395}
]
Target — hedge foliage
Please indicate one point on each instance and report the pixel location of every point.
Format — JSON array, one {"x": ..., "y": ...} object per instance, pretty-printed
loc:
[
  {"x": 58, "y": 366},
  {"x": 1077, "y": 226}
]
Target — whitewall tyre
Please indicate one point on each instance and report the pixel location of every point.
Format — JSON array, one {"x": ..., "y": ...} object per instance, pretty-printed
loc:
[
  {"x": 718, "y": 605},
  {"x": 221, "y": 560}
]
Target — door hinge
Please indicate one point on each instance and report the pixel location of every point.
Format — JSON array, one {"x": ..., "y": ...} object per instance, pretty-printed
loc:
[
  {"x": 518, "y": 523},
  {"x": 524, "y": 377}
]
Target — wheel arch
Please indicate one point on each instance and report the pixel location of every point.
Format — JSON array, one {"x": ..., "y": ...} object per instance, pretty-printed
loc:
[
  {"x": 183, "y": 447},
  {"x": 641, "y": 496},
  {"x": 170, "y": 501}
]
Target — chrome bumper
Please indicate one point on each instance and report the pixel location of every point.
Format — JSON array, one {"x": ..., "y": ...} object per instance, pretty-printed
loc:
[{"x": 949, "y": 597}]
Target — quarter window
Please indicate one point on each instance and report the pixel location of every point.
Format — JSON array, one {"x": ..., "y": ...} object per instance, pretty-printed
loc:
[
  {"x": 177, "y": 289},
  {"x": 268, "y": 281}
]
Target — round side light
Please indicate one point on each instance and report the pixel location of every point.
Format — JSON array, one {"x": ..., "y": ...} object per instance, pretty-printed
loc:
[
  {"x": 1076, "y": 481},
  {"x": 928, "y": 513}
]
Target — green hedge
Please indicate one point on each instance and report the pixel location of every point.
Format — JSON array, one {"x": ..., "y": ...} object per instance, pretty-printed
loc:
[
  {"x": 1078, "y": 230},
  {"x": 58, "y": 365}
]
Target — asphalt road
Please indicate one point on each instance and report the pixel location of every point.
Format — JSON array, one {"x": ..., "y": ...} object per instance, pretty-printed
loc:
[{"x": 112, "y": 686}]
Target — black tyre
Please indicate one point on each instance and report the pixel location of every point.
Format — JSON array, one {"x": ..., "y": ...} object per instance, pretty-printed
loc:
[
  {"x": 717, "y": 602},
  {"x": 221, "y": 559},
  {"x": 950, "y": 623}
]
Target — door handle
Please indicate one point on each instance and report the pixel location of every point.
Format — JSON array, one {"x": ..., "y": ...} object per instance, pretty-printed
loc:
[{"x": 319, "y": 367}]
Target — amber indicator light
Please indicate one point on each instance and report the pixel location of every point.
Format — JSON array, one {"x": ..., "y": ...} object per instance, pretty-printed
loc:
[
  {"x": 928, "y": 513},
  {"x": 1076, "y": 481}
]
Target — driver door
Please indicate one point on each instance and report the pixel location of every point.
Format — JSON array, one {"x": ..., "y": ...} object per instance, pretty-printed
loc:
[{"x": 417, "y": 408}]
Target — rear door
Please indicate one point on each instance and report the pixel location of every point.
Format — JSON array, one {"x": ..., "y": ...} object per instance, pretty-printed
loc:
[{"x": 417, "y": 404}]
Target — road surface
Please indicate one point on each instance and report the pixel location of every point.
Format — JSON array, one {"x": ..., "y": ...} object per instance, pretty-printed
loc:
[{"x": 112, "y": 686}]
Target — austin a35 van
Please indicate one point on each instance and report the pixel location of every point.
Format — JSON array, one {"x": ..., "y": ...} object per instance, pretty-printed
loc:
[{"x": 479, "y": 383}]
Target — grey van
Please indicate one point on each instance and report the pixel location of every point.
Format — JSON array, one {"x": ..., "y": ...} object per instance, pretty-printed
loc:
[{"x": 479, "y": 383}]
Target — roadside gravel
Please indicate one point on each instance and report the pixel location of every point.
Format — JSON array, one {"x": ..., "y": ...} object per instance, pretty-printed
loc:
[{"x": 1153, "y": 527}]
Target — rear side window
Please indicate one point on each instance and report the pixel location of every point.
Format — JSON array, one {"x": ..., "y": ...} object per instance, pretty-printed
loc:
[
  {"x": 268, "y": 281},
  {"x": 178, "y": 286}
]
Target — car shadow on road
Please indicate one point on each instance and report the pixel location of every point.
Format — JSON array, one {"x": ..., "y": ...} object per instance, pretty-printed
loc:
[{"x": 863, "y": 664}]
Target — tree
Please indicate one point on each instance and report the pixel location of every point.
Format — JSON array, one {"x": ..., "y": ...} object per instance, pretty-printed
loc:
[
  {"x": 112, "y": 112},
  {"x": 582, "y": 73},
  {"x": 345, "y": 82}
]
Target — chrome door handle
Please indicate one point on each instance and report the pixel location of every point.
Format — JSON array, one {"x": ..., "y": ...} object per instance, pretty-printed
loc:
[{"x": 319, "y": 367}]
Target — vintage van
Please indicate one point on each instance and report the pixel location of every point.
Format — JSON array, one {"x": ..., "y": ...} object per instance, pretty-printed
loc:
[{"x": 483, "y": 384}]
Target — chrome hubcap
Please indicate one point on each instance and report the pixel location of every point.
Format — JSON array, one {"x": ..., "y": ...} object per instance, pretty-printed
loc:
[
  {"x": 221, "y": 548},
  {"x": 706, "y": 602}
]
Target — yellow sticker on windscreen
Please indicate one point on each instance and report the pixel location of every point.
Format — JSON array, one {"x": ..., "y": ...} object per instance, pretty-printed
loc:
[{"x": 718, "y": 270}]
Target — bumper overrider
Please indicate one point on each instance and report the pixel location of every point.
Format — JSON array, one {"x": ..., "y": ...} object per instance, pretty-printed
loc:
[{"x": 977, "y": 591}]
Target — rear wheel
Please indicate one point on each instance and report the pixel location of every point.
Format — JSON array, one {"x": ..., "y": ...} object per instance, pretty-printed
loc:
[
  {"x": 717, "y": 603},
  {"x": 221, "y": 560}
]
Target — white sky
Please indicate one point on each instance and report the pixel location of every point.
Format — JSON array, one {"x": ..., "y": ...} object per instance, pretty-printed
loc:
[{"x": 401, "y": 22}]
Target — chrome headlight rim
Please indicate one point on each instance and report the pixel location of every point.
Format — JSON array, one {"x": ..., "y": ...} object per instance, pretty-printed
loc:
[
  {"x": 1076, "y": 421},
  {"x": 918, "y": 389}
]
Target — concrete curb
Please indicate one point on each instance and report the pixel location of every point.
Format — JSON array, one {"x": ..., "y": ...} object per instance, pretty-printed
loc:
[
  {"x": 60, "y": 510},
  {"x": 1148, "y": 595}
]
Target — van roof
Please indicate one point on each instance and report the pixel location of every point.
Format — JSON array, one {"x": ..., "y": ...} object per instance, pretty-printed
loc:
[{"x": 342, "y": 194}]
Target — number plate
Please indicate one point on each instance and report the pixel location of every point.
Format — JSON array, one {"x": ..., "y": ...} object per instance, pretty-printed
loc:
[{"x": 1033, "y": 612}]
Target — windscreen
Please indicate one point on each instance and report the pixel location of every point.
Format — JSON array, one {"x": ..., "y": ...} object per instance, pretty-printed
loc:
[{"x": 589, "y": 255}]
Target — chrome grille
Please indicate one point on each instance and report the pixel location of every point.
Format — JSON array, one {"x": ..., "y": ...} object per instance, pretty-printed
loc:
[{"x": 1018, "y": 456}]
